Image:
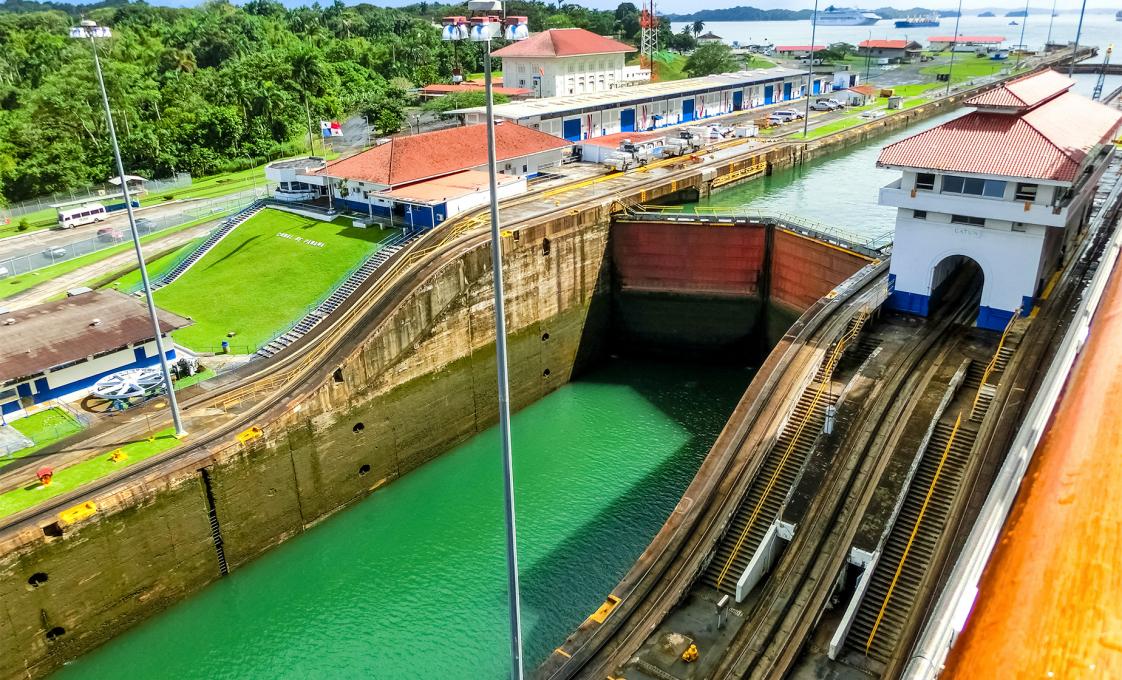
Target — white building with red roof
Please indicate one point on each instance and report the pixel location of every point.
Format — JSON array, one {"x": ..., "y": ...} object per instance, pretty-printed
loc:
[
  {"x": 965, "y": 43},
  {"x": 422, "y": 179},
  {"x": 1007, "y": 187},
  {"x": 565, "y": 61},
  {"x": 893, "y": 50}
]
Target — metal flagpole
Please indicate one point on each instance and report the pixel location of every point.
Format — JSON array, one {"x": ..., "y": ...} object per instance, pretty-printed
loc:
[
  {"x": 87, "y": 31},
  {"x": 501, "y": 360},
  {"x": 810, "y": 67},
  {"x": 1051, "y": 18}
]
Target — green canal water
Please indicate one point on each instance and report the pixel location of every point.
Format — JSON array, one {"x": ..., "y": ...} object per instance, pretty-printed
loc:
[
  {"x": 410, "y": 583},
  {"x": 839, "y": 190}
]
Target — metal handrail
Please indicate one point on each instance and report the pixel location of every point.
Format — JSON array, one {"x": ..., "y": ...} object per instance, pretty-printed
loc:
[
  {"x": 993, "y": 361},
  {"x": 915, "y": 530},
  {"x": 831, "y": 364}
]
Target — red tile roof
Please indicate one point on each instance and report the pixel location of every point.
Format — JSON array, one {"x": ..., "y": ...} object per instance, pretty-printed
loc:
[
  {"x": 447, "y": 88},
  {"x": 1048, "y": 142},
  {"x": 968, "y": 38},
  {"x": 435, "y": 154},
  {"x": 888, "y": 44},
  {"x": 867, "y": 90},
  {"x": 799, "y": 48},
  {"x": 1024, "y": 93},
  {"x": 563, "y": 42}
]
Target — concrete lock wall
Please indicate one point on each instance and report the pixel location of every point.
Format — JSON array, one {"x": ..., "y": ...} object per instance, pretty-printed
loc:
[{"x": 421, "y": 382}]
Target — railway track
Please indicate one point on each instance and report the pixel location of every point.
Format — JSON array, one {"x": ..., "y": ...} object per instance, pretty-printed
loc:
[{"x": 798, "y": 590}]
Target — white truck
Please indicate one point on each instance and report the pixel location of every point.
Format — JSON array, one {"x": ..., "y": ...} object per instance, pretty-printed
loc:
[
  {"x": 629, "y": 156},
  {"x": 687, "y": 141}
]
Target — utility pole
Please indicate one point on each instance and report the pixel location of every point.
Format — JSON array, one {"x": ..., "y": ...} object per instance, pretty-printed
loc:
[
  {"x": 1021, "y": 40},
  {"x": 89, "y": 30}
]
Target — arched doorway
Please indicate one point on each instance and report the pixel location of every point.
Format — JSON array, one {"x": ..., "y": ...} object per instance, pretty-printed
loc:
[{"x": 955, "y": 280}]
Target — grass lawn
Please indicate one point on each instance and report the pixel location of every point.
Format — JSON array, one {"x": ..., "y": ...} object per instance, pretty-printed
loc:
[
  {"x": 755, "y": 61},
  {"x": 668, "y": 66},
  {"x": 44, "y": 428},
  {"x": 255, "y": 282},
  {"x": 70, "y": 478},
  {"x": 17, "y": 284},
  {"x": 967, "y": 67},
  {"x": 184, "y": 383},
  {"x": 157, "y": 267}
]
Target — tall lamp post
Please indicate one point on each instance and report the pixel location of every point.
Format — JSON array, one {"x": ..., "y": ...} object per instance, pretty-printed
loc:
[
  {"x": 1021, "y": 40},
  {"x": 1078, "y": 33},
  {"x": 810, "y": 67},
  {"x": 489, "y": 22},
  {"x": 954, "y": 44},
  {"x": 89, "y": 30}
]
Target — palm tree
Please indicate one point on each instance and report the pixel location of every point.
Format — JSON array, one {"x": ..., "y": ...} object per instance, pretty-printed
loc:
[{"x": 698, "y": 27}]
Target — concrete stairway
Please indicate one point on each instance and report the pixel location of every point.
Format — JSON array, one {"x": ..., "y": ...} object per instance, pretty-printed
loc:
[
  {"x": 902, "y": 595},
  {"x": 338, "y": 296},
  {"x": 768, "y": 491},
  {"x": 217, "y": 235}
]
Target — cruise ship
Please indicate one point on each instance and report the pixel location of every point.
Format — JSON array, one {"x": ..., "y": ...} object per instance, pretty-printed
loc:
[{"x": 845, "y": 16}]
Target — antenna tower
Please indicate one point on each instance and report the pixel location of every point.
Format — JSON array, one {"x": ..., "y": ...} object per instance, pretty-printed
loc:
[{"x": 648, "y": 22}]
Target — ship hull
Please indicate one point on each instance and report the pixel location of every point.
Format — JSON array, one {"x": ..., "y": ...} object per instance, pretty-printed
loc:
[{"x": 916, "y": 24}]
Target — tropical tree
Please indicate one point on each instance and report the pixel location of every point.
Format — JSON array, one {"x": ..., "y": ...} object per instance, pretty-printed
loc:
[
  {"x": 698, "y": 27},
  {"x": 709, "y": 59}
]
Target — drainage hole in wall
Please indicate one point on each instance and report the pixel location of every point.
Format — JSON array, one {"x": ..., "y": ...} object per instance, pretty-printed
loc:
[
  {"x": 364, "y": 470},
  {"x": 55, "y": 633},
  {"x": 37, "y": 579},
  {"x": 359, "y": 427},
  {"x": 545, "y": 336},
  {"x": 338, "y": 375},
  {"x": 54, "y": 530},
  {"x": 545, "y": 373}
]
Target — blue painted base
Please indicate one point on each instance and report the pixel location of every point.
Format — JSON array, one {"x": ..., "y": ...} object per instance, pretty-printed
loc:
[
  {"x": 42, "y": 392},
  {"x": 993, "y": 319},
  {"x": 909, "y": 303}
]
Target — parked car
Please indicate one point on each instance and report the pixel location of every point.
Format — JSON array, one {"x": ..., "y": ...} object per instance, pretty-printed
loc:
[
  {"x": 775, "y": 119},
  {"x": 876, "y": 113},
  {"x": 789, "y": 114},
  {"x": 55, "y": 251},
  {"x": 109, "y": 234},
  {"x": 822, "y": 105},
  {"x": 4, "y": 272}
]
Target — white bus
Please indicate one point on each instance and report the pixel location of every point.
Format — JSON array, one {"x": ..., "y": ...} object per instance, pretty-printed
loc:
[{"x": 76, "y": 217}]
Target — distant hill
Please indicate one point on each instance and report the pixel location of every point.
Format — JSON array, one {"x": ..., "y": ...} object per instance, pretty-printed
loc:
[{"x": 987, "y": 14}]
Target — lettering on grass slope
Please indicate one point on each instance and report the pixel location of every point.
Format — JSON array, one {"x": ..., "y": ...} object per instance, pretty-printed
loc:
[{"x": 300, "y": 239}]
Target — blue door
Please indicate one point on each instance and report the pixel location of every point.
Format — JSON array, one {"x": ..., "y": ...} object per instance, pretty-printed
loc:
[
  {"x": 571, "y": 130},
  {"x": 769, "y": 94},
  {"x": 738, "y": 100},
  {"x": 786, "y": 91},
  {"x": 687, "y": 110},
  {"x": 627, "y": 120},
  {"x": 817, "y": 87}
]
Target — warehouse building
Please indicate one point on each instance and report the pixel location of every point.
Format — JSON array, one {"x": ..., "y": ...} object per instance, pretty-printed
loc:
[
  {"x": 566, "y": 61},
  {"x": 654, "y": 105}
]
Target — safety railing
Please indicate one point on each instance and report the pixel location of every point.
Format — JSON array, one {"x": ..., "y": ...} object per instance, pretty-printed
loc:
[
  {"x": 915, "y": 531},
  {"x": 831, "y": 364},
  {"x": 739, "y": 174},
  {"x": 990, "y": 367}
]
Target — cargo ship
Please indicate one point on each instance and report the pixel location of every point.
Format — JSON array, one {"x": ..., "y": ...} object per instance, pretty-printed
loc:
[{"x": 918, "y": 22}]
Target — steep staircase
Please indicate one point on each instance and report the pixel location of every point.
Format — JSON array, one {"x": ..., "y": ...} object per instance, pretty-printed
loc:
[
  {"x": 892, "y": 593},
  {"x": 332, "y": 302},
  {"x": 217, "y": 235},
  {"x": 768, "y": 491}
]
